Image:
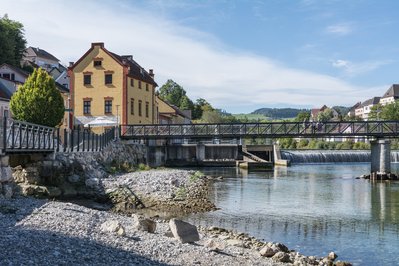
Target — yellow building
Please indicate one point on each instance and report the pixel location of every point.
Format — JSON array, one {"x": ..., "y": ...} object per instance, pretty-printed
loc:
[
  {"x": 170, "y": 114},
  {"x": 109, "y": 89}
]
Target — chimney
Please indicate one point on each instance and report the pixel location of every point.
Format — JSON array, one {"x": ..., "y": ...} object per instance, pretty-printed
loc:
[
  {"x": 101, "y": 44},
  {"x": 151, "y": 71},
  {"x": 71, "y": 64}
]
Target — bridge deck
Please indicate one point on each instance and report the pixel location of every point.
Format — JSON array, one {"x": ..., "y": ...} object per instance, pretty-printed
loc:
[{"x": 377, "y": 129}]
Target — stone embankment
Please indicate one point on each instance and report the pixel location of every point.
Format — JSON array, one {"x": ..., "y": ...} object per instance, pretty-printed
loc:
[{"x": 42, "y": 232}]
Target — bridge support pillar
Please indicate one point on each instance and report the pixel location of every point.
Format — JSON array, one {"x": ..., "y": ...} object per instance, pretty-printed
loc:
[
  {"x": 200, "y": 152},
  {"x": 380, "y": 158}
]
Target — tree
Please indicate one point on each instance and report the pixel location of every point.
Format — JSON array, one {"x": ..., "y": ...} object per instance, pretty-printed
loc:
[
  {"x": 200, "y": 106},
  {"x": 172, "y": 93},
  {"x": 326, "y": 115},
  {"x": 387, "y": 112},
  {"x": 38, "y": 100},
  {"x": 12, "y": 41},
  {"x": 302, "y": 116}
]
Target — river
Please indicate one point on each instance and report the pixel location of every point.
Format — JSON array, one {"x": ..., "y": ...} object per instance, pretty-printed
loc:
[{"x": 312, "y": 208}]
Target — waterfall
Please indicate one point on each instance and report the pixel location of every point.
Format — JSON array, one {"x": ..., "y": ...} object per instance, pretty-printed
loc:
[{"x": 331, "y": 156}]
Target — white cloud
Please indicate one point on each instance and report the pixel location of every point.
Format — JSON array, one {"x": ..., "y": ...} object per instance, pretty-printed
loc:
[
  {"x": 353, "y": 69},
  {"x": 340, "y": 29},
  {"x": 235, "y": 81}
]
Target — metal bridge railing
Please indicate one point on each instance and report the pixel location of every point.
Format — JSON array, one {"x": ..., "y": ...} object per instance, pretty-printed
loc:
[
  {"x": 17, "y": 136},
  {"x": 270, "y": 130}
]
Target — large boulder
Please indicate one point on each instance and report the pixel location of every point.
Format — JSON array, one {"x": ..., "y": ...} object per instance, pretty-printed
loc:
[
  {"x": 6, "y": 174},
  {"x": 267, "y": 251},
  {"x": 184, "y": 232},
  {"x": 144, "y": 224}
]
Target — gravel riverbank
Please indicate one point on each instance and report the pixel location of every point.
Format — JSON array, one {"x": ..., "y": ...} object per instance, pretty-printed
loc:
[{"x": 43, "y": 232}]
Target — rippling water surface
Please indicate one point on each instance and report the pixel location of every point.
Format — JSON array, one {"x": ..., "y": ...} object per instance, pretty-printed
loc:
[{"x": 312, "y": 208}]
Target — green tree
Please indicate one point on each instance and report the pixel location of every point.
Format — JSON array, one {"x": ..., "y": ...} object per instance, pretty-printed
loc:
[
  {"x": 326, "y": 115},
  {"x": 38, "y": 100},
  {"x": 12, "y": 41},
  {"x": 302, "y": 116},
  {"x": 172, "y": 93},
  {"x": 200, "y": 106},
  {"x": 186, "y": 103}
]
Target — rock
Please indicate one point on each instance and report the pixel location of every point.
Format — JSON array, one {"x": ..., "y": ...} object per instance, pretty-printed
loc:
[
  {"x": 144, "y": 224},
  {"x": 184, "y": 232},
  {"x": 92, "y": 183},
  {"x": 19, "y": 174},
  {"x": 74, "y": 179},
  {"x": 32, "y": 175},
  {"x": 8, "y": 191},
  {"x": 121, "y": 231},
  {"x": 281, "y": 257},
  {"x": 332, "y": 256},
  {"x": 68, "y": 191},
  {"x": 6, "y": 174},
  {"x": 281, "y": 247},
  {"x": 33, "y": 190},
  {"x": 213, "y": 245},
  {"x": 235, "y": 242},
  {"x": 168, "y": 233},
  {"x": 267, "y": 252},
  {"x": 113, "y": 227},
  {"x": 53, "y": 192}
]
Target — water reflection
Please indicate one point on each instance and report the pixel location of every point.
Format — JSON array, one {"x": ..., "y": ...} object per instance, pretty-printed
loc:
[{"x": 311, "y": 208}]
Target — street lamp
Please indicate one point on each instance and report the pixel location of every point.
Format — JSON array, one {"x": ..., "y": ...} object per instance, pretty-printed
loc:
[{"x": 117, "y": 120}]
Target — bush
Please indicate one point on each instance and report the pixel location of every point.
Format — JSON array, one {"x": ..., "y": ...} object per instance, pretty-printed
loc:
[{"x": 38, "y": 100}]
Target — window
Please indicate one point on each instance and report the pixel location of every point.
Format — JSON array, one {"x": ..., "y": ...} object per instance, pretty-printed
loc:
[
  {"x": 6, "y": 76},
  {"x": 86, "y": 79},
  {"x": 108, "y": 106},
  {"x": 86, "y": 107},
  {"x": 108, "y": 79},
  {"x": 140, "y": 102},
  {"x": 12, "y": 76},
  {"x": 139, "y": 84},
  {"x": 132, "y": 82},
  {"x": 97, "y": 63},
  {"x": 5, "y": 113},
  {"x": 146, "y": 86},
  {"x": 65, "y": 85},
  {"x": 147, "y": 105},
  {"x": 132, "y": 106}
]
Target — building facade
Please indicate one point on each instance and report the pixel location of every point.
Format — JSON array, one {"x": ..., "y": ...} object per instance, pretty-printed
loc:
[
  {"x": 390, "y": 95},
  {"x": 106, "y": 85},
  {"x": 170, "y": 114}
]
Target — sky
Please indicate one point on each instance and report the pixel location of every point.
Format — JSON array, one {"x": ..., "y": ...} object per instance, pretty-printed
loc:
[{"x": 238, "y": 55}]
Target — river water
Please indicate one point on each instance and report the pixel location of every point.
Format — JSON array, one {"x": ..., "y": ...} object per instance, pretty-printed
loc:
[{"x": 312, "y": 208}]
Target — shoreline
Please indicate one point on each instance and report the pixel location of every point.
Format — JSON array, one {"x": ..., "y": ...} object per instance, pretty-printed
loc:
[{"x": 45, "y": 231}]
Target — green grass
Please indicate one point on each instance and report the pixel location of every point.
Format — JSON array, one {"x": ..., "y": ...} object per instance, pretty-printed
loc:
[{"x": 251, "y": 116}]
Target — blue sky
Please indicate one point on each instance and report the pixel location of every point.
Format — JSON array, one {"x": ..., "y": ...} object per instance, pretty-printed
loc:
[{"x": 240, "y": 55}]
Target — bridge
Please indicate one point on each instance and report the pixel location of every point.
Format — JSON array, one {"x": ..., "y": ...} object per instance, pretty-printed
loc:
[
  {"x": 17, "y": 137},
  {"x": 376, "y": 129}
]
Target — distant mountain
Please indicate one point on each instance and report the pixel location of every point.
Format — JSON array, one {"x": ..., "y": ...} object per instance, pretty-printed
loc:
[{"x": 279, "y": 113}]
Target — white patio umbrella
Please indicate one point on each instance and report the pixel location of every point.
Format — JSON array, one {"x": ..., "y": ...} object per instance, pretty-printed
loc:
[{"x": 100, "y": 122}]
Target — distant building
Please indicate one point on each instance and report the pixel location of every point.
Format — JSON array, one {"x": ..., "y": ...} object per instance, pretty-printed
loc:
[
  {"x": 170, "y": 114},
  {"x": 7, "y": 89},
  {"x": 104, "y": 84},
  {"x": 41, "y": 58},
  {"x": 314, "y": 113},
  {"x": 13, "y": 73},
  {"x": 364, "y": 109},
  {"x": 352, "y": 110},
  {"x": 390, "y": 95}
]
